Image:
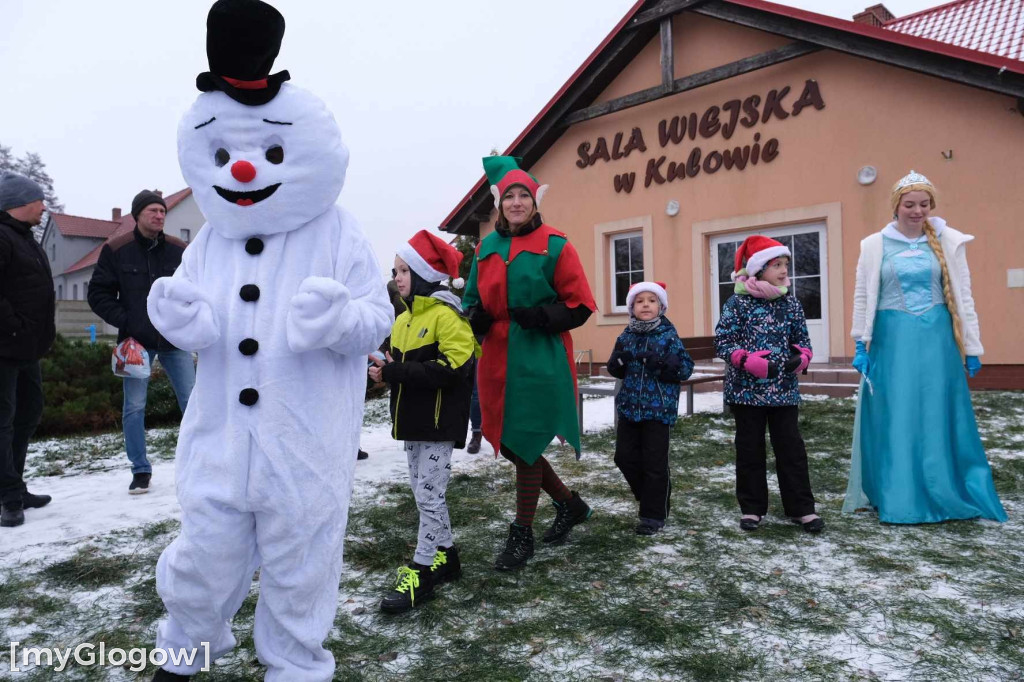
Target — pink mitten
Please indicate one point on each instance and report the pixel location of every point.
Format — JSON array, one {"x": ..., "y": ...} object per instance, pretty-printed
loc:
[
  {"x": 805, "y": 358},
  {"x": 756, "y": 362}
]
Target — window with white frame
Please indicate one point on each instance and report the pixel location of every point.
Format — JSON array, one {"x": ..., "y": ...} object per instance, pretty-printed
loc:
[
  {"x": 627, "y": 266},
  {"x": 74, "y": 292},
  {"x": 60, "y": 292},
  {"x": 186, "y": 236}
]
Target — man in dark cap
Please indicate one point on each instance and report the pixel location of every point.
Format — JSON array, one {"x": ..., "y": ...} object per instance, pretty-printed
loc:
[
  {"x": 26, "y": 333},
  {"x": 127, "y": 267}
]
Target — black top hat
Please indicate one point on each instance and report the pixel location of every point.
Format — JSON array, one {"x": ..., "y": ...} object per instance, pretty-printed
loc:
[{"x": 243, "y": 38}]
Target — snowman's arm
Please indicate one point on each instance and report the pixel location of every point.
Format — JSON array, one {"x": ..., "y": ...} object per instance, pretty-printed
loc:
[
  {"x": 367, "y": 319},
  {"x": 178, "y": 307}
]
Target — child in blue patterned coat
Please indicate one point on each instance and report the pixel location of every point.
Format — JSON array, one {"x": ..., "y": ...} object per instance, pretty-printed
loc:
[
  {"x": 650, "y": 359},
  {"x": 762, "y": 336}
]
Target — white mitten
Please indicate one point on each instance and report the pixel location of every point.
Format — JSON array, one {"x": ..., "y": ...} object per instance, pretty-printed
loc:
[
  {"x": 182, "y": 313},
  {"x": 315, "y": 314}
]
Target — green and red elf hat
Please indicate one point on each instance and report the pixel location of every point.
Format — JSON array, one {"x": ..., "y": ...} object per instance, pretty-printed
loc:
[
  {"x": 504, "y": 171},
  {"x": 432, "y": 258}
]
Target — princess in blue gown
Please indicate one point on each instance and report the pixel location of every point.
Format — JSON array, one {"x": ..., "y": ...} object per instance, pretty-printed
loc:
[{"x": 917, "y": 456}]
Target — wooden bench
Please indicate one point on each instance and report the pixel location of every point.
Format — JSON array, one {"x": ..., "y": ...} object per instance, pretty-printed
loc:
[{"x": 699, "y": 348}]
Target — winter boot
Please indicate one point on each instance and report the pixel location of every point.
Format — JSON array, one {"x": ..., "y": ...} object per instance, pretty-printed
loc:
[
  {"x": 12, "y": 515},
  {"x": 474, "y": 443},
  {"x": 446, "y": 566},
  {"x": 164, "y": 676},
  {"x": 649, "y": 526},
  {"x": 30, "y": 501},
  {"x": 140, "y": 484},
  {"x": 518, "y": 548},
  {"x": 414, "y": 585},
  {"x": 567, "y": 514}
]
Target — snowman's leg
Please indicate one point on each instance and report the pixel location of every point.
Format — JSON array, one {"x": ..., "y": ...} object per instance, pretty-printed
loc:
[
  {"x": 300, "y": 546},
  {"x": 203, "y": 577}
]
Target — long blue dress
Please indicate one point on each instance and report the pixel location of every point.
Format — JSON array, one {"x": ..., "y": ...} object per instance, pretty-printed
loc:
[{"x": 917, "y": 456}]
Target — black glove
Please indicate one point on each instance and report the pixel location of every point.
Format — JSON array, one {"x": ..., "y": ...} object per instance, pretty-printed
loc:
[
  {"x": 792, "y": 363},
  {"x": 532, "y": 317},
  {"x": 392, "y": 373},
  {"x": 480, "y": 320},
  {"x": 671, "y": 369},
  {"x": 652, "y": 361},
  {"x": 773, "y": 369}
]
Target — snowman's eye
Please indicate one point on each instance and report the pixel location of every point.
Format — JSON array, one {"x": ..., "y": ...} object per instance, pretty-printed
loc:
[
  {"x": 275, "y": 154},
  {"x": 221, "y": 156}
]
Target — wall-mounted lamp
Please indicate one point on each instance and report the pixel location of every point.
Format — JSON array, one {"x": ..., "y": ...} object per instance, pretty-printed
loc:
[
  {"x": 672, "y": 208},
  {"x": 867, "y": 175}
]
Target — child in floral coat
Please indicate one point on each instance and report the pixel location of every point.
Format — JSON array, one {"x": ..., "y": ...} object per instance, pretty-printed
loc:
[
  {"x": 762, "y": 336},
  {"x": 651, "y": 361}
]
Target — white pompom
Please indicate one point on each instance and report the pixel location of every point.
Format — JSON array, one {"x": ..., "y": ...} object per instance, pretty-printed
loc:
[{"x": 458, "y": 283}]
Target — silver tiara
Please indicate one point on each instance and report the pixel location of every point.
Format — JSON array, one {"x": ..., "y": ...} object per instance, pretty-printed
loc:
[{"x": 912, "y": 178}]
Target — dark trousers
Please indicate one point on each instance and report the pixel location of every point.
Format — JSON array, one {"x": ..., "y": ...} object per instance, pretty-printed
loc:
[
  {"x": 474, "y": 403},
  {"x": 790, "y": 460},
  {"x": 641, "y": 453},
  {"x": 21, "y": 408}
]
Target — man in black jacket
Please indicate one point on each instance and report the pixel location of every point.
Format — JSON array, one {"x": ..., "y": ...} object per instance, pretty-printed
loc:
[
  {"x": 26, "y": 334},
  {"x": 127, "y": 267}
]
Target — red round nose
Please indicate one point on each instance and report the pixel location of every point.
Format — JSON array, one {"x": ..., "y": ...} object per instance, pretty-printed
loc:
[{"x": 243, "y": 171}]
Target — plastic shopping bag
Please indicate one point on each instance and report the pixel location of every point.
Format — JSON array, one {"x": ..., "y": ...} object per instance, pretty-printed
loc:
[{"x": 130, "y": 360}]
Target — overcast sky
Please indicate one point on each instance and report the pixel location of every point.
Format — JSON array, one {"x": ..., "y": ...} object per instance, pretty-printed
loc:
[{"x": 421, "y": 90}]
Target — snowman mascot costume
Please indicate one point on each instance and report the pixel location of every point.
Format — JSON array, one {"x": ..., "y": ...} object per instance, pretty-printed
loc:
[{"x": 282, "y": 297}]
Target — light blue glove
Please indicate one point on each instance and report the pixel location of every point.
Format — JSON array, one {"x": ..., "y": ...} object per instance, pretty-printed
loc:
[
  {"x": 861, "y": 362},
  {"x": 973, "y": 364}
]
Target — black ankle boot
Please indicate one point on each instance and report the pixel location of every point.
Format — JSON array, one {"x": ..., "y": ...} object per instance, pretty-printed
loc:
[
  {"x": 414, "y": 585},
  {"x": 518, "y": 548},
  {"x": 164, "y": 676},
  {"x": 567, "y": 514},
  {"x": 12, "y": 515},
  {"x": 446, "y": 566}
]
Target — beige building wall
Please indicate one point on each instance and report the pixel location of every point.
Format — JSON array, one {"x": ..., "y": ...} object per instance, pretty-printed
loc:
[{"x": 967, "y": 141}]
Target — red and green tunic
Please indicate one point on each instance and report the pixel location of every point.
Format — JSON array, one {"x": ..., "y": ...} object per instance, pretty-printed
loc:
[{"x": 527, "y": 377}]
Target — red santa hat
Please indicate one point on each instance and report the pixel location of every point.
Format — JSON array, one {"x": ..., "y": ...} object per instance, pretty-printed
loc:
[
  {"x": 432, "y": 258},
  {"x": 656, "y": 288},
  {"x": 757, "y": 251}
]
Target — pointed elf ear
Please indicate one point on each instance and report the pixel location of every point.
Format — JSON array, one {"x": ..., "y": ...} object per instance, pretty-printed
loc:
[
  {"x": 541, "y": 191},
  {"x": 497, "y": 198}
]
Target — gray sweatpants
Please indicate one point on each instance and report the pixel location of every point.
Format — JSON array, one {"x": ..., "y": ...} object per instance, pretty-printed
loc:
[{"x": 430, "y": 468}]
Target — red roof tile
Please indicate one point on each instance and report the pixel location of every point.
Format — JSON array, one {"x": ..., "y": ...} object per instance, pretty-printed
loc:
[
  {"x": 993, "y": 26},
  {"x": 77, "y": 226}
]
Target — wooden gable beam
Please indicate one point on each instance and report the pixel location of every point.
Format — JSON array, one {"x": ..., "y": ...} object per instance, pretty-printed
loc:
[
  {"x": 719, "y": 73},
  {"x": 663, "y": 11},
  {"x": 941, "y": 66},
  {"x": 668, "y": 67}
]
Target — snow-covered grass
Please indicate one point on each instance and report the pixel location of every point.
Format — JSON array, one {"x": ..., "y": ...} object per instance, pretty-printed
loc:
[{"x": 700, "y": 601}]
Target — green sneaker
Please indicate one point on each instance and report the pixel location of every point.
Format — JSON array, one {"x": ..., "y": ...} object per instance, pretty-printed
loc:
[
  {"x": 446, "y": 566},
  {"x": 414, "y": 586}
]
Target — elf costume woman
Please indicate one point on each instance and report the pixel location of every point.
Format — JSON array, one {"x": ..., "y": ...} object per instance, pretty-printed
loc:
[
  {"x": 526, "y": 290},
  {"x": 917, "y": 455}
]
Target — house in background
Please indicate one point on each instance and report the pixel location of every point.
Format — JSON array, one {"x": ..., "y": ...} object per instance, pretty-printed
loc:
[
  {"x": 73, "y": 244},
  {"x": 697, "y": 123}
]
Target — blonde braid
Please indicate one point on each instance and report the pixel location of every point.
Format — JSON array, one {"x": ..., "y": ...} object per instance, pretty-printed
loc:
[{"x": 947, "y": 290}]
